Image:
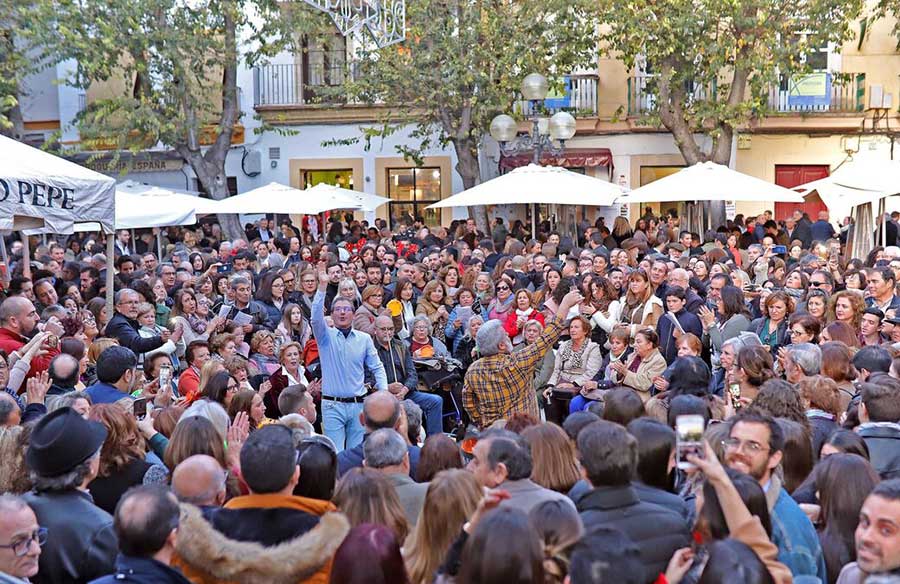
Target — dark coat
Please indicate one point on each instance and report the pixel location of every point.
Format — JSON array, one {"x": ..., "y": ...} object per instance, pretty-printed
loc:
[
  {"x": 648, "y": 494},
  {"x": 781, "y": 333},
  {"x": 884, "y": 448},
  {"x": 259, "y": 317},
  {"x": 142, "y": 571},
  {"x": 665, "y": 328},
  {"x": 353, "y": 458},
  {"x": 821, "y": 427},
  {"x": 125, "y": 330},
  {"x": 656, "y": 531},
  {"x": 81, "y": 544}
]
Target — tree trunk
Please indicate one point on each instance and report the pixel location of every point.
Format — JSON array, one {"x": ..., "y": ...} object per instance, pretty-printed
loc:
[
  {"x": 470, "y": 171},
  {"x": 211, "y": 174}
]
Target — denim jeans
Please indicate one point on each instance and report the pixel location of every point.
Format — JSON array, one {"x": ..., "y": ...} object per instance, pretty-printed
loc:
[
  {"x": 578, "y": 403},
  {"x": 432, "y": 406},
  {"x": 340, "y": 421}
]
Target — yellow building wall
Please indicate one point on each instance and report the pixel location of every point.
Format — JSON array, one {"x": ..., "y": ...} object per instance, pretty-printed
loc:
[{"x": 767, "y": 151}]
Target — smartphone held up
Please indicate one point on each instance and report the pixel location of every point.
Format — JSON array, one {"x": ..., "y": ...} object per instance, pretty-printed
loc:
[{"x": 688, "y": 440}]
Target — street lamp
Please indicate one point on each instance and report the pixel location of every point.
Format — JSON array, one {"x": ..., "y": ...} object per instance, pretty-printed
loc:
[
  {"x": 549, "y": 135},
  {"x": 546, "y": 134}
]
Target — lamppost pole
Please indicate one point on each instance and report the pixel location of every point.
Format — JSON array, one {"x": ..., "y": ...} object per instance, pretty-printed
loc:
[{"x": 546, "y": 134}]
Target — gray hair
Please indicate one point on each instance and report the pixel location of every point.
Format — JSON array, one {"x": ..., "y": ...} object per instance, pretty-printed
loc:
[
  {"x": 744, "y": 339},
  {"x": 474, "y": 318},
  {"x": 510, "y": 449},
  {"x": 384, "y": 447},
  {"x": 421, "y": 318},
  {"x": 122, "y": 293},
  {"x": 67, "y": 481},
  {"x": 413, "y": 417},
  {"x": 807, "y": 357},
  {"x": 758, "y": 247},
  {"x": 236, "y": 281},
  {"x": 8, "y": 405},
  {"x": 66, "y": 400},
  {"x": 491, "y": 336},
  {"x": 210, "y": 410}
]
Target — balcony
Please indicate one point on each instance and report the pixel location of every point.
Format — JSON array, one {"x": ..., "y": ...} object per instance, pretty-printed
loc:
[
  {"x": 578, "y": 97},
  {"x": 300, "y": 83},
  {"x": 837, "y": 93}
]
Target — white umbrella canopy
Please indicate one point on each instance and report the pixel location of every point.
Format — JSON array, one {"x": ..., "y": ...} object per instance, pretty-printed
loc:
[
  {"x": 368, "y": 201},
  {"x": 839, "y": 199},
  {"x": 708, "y": 181},
  {"x": 882, "y": 176},
  {"x": 40, "y": 190},
  {"x": 164, "y": 196},
  {"x": 278, "y": 198},
  {"x": 537, "y": 184}
]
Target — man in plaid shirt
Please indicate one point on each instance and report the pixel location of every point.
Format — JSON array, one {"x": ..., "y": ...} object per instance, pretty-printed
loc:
[{"x": 500, "y": 383}]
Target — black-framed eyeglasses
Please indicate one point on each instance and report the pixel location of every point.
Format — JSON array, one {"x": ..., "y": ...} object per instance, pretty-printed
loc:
[
  {"x": 21, "y": 545},
  {"x": 503, "y": 288},
  {"x": 816, "y": 284}
]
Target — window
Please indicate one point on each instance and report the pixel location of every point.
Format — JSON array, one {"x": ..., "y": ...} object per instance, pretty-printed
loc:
[
  {"x": 341, "y": 177},
  {"x": 411, "y": 190}
]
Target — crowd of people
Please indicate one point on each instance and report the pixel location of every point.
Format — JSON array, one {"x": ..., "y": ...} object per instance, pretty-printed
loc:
[{"x": 418, "y": 405}]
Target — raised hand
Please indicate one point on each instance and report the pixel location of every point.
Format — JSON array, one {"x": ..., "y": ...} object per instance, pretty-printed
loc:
[{"x": 36, "y": 388}]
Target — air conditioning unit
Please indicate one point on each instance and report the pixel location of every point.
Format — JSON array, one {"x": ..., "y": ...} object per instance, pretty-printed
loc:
[{"x": 878, "y": 99}]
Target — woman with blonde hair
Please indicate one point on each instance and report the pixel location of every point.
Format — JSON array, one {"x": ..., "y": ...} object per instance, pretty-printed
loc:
[
  {"x": 846, "y": 306},
  {"x": 621, "y": 230},
  {"x": 365, "y": 495},
  {"x": 452, "y": 498},
  {"x": 369, "y": 309},
  {"x": 642, "y": 309},
  {"x": 554, "y": 464},
  {"x": 433, "y": 304},
  {"x": 14, "y": 472}
]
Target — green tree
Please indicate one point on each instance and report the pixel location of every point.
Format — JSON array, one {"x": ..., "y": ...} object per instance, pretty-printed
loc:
[
  {"x": 15, "y": 64},
  {"x": 177, "y": 63},
  {"x": 462, "y": 63},
  {"x": 712, "y": 61}
]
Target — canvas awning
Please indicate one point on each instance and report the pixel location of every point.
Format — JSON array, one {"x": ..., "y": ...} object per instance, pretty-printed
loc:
[{"x": 40, "y": 190}]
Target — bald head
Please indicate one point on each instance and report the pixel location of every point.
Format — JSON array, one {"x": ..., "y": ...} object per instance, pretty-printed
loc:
[
  {"x": 199, "y": 480},
  {"x": 380, "y": 410},
  {"x": 384, "y": 329},
  {"x": 17, "y": 313},
  {"x": 64, "y": 370}
]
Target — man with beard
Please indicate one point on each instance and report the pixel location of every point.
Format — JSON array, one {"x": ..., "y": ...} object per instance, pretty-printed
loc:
[
  {"x": 755, "y": 446},
  {"x": 117, "y": 376},
  {"x": 877, "y": 536}
]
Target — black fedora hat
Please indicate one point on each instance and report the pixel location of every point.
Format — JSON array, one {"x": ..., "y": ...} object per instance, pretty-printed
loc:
[{"x": 62, "y": 440}]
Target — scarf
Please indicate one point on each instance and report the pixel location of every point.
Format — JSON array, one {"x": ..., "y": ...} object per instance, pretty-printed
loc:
[
  {"x": 572, "y": 359},
  {"x": 197, "y": 324},
  {"x": 525, "y": 313}
]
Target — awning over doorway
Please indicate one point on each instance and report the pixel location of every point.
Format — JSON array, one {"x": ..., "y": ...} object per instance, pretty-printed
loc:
[{"x": 571, "y": 158}]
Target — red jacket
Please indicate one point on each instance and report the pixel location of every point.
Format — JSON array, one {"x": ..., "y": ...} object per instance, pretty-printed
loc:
[
  {"x": 189, "y": 385},
  {"x": 510, "y": 323},
  {"x": 12, "y": 341}
]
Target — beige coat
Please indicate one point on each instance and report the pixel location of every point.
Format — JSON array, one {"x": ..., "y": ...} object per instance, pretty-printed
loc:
[{"x": 642, "y": 380}]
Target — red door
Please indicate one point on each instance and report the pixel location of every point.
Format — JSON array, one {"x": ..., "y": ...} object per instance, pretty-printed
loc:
[{"x": 792, "y": 175}]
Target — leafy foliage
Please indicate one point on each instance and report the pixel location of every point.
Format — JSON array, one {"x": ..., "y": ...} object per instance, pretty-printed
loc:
[
  {"x": 169, "y": 68},
  {"x": 462, "y": 63},
  {"x": 710, "y": 62}
]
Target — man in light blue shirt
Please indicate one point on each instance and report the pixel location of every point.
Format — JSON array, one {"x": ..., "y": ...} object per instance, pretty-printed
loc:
[{"x": 345, "y": 355}]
